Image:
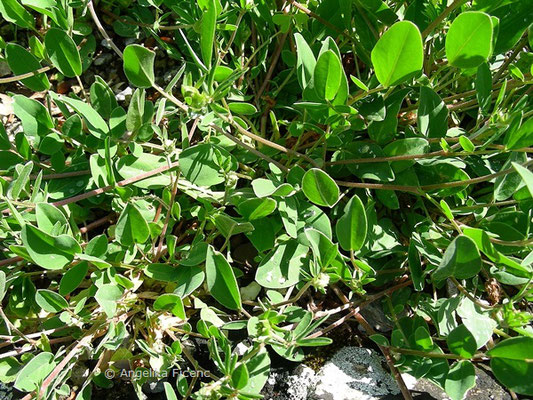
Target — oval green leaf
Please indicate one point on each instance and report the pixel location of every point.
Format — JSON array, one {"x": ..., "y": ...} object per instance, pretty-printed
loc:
[
  {"x": 327, "y": 75},
  {"x": 50, "y": 252},
  {"x": 469, "y": 40},
  {"x": 50, "y": 301},
  {"x": 63, "y": 52},
  {"x": 21, "y": 61},
  {"x": 242, "y": 108},
  {"x": 221, "y": 280},
  {"x": 35, "y": 371},
  {"x": 398, "y": 55},
  {"x": 131, "y": 227},
  {"x": 352, "y": 225},
  {"x": 139, "y": 65},
  {"x": 320, "y": 188},
  {"x": 512, "y": 363},
  {"x": 461, "y": 260}
]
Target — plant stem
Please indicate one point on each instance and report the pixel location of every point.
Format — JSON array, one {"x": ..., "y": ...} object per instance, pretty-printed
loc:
[{"x": 447, "y": 11}]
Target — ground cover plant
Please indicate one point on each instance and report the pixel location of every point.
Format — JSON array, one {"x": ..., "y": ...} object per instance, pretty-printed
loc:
[{"x": 276, "y": 167}]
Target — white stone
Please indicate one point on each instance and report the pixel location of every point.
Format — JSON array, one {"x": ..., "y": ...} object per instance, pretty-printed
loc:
[
  {"x": 6, "y": 105},
  {"x": 122, "y": 95},
  {"x": 354, "y": 373},
  {"x": 241, "y": 349},
  {"x": 301, "y": 383}
]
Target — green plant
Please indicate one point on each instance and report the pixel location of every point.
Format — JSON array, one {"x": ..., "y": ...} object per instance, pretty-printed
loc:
[{"x": 351, "y": 151}]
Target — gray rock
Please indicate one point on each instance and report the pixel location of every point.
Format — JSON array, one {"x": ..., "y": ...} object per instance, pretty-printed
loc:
[
  {"x": 154, "y": 387},
  {"x": 6, "y": 392},
  {"x": 79, "y": 374},
  {"x": 124, "y": 94},
  {"x": 283, "y": 385},
  {"x": 486, "y": 388},
  {"x": 354, "y": 373},
  {"x": 377, "y": 319},
  {"x": 301, "y": 383},
  {"x": 105, "y": 58}
]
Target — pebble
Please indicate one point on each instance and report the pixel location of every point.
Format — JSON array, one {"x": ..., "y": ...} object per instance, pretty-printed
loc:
[
  {"x": 6, "y": 105},
  {"x": 105, "y": 58},
  {"x": 124, "y": 94}
]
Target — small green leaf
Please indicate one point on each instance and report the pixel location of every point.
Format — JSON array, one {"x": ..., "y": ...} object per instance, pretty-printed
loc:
[
  {"x": 19, "y": 184},
  {"x": 63, "y": 52},
  {"x": 527, "y": 176},
  {"x": 107, "y": 296},
  {"x": 73, "y": 278},
  {"x": 162, "y": 272},
  {"x": 2, "y": 285},
  {"x": 21, "y": 61},
  {"x": 478, "y": 322},
  {"x": 169, "y": 392},
  {"x": 221, "y": 280},
  {"x": 13, "y": 12},
  {"x": 352, "y": 225},
  {"x": 305, "y": 63},
  {"x": 506, "y": 185},
  {"x": 97, "y": 262},
  {"x": 460, "y": 379},
  {"x": 469, "y": 40},
  {"x": 320, "y": 188},
  {"x": 265, "y": 187},
  {"x": 139, "y": 65},
  {"x": 207, "y": 33},
  {"x": 398, "y": 55},
  {"x": 252, "y": 209},
  {"x": 314, "y": 342},
  {"x": 229, "y": 226},
  {"x": 50, "y": 301},
  {"x": 130, "y": 166},
  {"x": 380, "y": 340},
  {"x": 327, "y": 75},
  {"x": 522, "y": 137},
  {"x": 131, "y": 227},
  {"x": 446, "y": 209},
  {"x": 34, "y": 372},
  {"x": 95, "y": 123},
  {"x": 35, "y": 118},
  {"x": 9, "y": 369},
  {"x": 188, "y": 278},
  {"x": 239, "y": 377},
  {"x": 359, "y": 83},
  {"x": 512, "y": 364},
  {"x": 484, "y": 87},
  {"x": 323, "y": 248},
  {"x": 409, "y": 146},
  {"x": 466, "y": 144},
  {"x": 199, "y": 164},
  {"x": 50, "y": 252},
  {"x": 222, "y": 73},
  {"x": 48, "y": 216},
  {"x": 172, "y": 303},
  {"x": 242, "y": 108},
  {"x": 432, "y": 114},
  {"x": 415, "y": 267},
  {"x": 461, "y": 260},
  {"x": 282, "y": 266},
  {"x": 4, "y": 139},
  {"x": 461, "y": 342}
]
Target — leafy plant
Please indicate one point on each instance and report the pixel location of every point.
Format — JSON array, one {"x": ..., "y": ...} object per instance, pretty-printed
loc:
[{"x": 345, "y": 151}]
